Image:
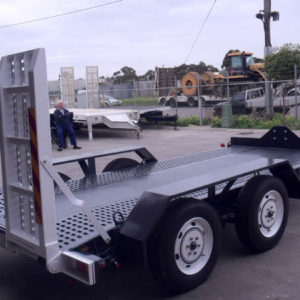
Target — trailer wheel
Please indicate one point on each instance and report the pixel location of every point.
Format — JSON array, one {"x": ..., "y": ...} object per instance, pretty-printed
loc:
[
  {"x": 191, "y": 102},
  {"x": 162, "y": 101},
  {"x": 119, "y": 164},
  {"x": 262, "y": 213},
  {"x": 203, "y": 101},
  {"x": 172, "y": 102},
  {"x": 185, "y": 246}
]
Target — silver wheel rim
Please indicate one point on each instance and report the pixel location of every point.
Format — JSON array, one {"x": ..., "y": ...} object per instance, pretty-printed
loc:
[
  {"x": 270, "y": 214},
  {"x": 193, "y": 246}
]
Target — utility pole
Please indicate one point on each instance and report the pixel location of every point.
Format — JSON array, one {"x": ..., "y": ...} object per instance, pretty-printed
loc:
[{"x": 265, "y": 16}]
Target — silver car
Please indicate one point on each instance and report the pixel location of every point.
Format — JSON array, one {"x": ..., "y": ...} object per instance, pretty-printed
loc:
[{"x": 110, "y": 101}]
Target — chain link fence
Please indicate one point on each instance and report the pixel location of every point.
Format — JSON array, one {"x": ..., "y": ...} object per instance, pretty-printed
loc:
[{"x": 202, "y": 100}]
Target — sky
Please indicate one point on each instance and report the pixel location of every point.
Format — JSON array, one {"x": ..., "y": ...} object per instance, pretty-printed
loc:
[{"x": 141, "y": 33}]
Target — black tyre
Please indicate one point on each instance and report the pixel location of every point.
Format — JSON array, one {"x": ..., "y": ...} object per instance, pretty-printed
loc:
[
  {"x": 162, "y": 101},
  {"x": 191, "y": 102},
  {"x": 185, "y": 247},
  {"x": 172, "y": 102},
  {"x": 119, "y": 164},
  {"x": 262, "y": 213},
  {"x": 204, "y": 103}
]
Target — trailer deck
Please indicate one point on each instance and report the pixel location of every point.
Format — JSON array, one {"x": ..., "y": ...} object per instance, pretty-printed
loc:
[{"x": 111, "y": 192}]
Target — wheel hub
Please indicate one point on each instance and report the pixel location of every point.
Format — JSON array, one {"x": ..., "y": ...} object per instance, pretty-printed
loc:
[
  {"x": 270, "y": 213},
  {"x": 193, "y": 245}
]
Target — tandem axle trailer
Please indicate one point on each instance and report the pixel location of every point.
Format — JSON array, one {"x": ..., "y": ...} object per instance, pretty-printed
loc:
[{"x": 169, "y": 213}]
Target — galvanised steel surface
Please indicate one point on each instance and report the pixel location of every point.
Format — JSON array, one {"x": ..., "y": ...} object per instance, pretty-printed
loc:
[
  {"x": 25, "y": 139},
  {"x": 112, "y": 192}
]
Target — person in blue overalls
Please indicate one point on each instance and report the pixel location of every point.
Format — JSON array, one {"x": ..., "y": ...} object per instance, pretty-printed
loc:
[{"x": 62, "y": 120}]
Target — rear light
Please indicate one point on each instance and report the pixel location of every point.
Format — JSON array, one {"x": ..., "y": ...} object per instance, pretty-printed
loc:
[
  {"x": 79, "y": 267},
  {"x": 222, "y": 145},
  {"x": 102, "y": 265},
  {"x": 82, "y": 267}
]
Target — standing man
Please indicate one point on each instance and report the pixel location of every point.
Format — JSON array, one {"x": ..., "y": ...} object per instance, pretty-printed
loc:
[{"x": 62, "y": 119}]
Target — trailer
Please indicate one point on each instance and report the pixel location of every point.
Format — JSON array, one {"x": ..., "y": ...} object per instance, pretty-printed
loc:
[
  {"x": 168, "y": 213},
  {"x": 121, "y": 119},
  {"x": 124, "y": 119}
]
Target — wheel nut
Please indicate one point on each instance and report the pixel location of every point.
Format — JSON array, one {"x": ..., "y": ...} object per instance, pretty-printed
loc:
[
  {"x": 187, "y": 246},
  {"x": 198, "y": 245},
  {"x": 196, "y": 238},
  {"x": 195, "y": 253},
  {"x": 189, "y": 253}
]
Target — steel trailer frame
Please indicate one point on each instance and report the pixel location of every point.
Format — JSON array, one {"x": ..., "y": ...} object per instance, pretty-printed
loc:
[{"x": 118, "y": 211}]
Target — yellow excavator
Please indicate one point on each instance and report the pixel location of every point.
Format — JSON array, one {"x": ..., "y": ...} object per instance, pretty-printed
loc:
[{"x": 239, "y": 67}]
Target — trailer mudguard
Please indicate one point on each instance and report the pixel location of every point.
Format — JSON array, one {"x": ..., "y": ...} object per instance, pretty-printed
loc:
[
  {"x": 290, "y": 179},
  {"x": 145, "y": 215}
]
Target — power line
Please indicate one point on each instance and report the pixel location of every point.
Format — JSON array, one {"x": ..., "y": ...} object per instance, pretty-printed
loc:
[
  {"x": 61, "y": 15},
  {"x": 199, "y": 32}
]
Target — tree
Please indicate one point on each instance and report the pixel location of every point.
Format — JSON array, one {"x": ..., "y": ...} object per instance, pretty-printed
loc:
[
  {"x": 149, "y": 75},
  {"x": 279, "y": 64},
  {"x": 181, "y": 70},
  {"x": 258, "y": 60},
  {"x": 126, "y": 74}
]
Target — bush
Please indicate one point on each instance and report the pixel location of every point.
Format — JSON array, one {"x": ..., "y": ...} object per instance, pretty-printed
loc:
[
  {"x": 216, "y": 122},
  {"x": 184, "y": 122},
  {"x": 248, "y": 122}
]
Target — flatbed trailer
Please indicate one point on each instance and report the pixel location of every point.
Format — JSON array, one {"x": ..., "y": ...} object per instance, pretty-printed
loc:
[
  {"x": 120, "y": 119},
  {"x": 169, "y": 213}
]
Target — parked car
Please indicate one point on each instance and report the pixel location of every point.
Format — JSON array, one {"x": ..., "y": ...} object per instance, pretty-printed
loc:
[
  {"x": 110, "y": 101},
  {"x": 243, "y": 102}
]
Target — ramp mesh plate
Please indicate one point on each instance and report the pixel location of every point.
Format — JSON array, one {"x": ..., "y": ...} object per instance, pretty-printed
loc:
[{"x": 77, "y": 229}]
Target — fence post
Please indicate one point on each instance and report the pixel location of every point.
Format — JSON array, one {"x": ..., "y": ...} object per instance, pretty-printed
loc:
[
  {"x": 296, "y": 92},
  {"x": 134, "y": 93},
  {"x": 227, "y": 85},
  {"x": 176, "y": 96},
  {"x": 200, "y": 102}
]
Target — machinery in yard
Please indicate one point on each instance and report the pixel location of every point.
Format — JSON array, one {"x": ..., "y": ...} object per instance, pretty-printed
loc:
[
  {"x": 186, "y": 91},
  {"x": 240, "y": 70},
  {"x": 240, "y": 66},
  {"x": 169, "y": 213}
]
